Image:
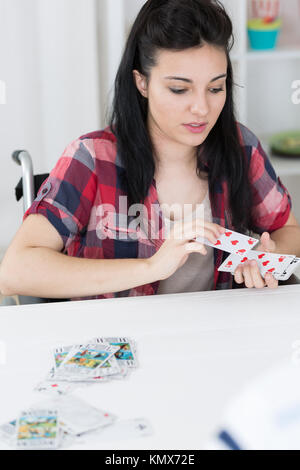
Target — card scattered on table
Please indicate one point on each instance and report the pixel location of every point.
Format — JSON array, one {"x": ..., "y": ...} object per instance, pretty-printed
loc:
[
  {"x": 99, "y": 360},
  {"x": 62, "y": 421},
  {"x": 38, "y": 429}
]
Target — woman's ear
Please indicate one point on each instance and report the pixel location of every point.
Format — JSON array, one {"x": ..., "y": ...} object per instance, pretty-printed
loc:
[{"x": 141, "y": 83}]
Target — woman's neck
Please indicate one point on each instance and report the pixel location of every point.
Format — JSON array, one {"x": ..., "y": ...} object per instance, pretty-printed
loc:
[{"x": 172, "y": 156}]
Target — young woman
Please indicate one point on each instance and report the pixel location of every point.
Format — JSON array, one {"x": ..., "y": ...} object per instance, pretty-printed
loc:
[{"x": 97, "y": 228}]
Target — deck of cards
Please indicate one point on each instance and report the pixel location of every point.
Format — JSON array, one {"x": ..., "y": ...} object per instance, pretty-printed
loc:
[
  {"x": 98, "y": 360},
  {"x": 241, "y": 250},
  {"x": 61, "y": 419},
  {"x": 60, "y": 422}
]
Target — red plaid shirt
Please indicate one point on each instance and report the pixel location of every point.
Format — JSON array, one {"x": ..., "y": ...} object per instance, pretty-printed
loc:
[{"x": 88, "y": 176}]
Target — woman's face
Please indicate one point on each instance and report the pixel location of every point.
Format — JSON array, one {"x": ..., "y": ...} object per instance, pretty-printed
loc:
[{"x": 185, "y": 89}]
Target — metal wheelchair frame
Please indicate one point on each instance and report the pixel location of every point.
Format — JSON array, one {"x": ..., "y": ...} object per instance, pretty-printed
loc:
[{"x": 28, "y": 192}]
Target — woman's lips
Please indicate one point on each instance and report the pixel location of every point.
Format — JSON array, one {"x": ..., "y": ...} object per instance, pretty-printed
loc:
[{"x": 196, "y": 129}]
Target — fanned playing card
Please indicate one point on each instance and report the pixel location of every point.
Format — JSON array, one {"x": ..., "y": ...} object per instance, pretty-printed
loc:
[
  {"x": 291, "y": 268},
  {"x": 273, "y": 263},
  {"x": 241, "y": 248},
  {"x": 232, "y": 242}
]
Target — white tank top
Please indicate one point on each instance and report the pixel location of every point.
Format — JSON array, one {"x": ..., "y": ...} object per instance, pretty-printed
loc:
[{"x": 197, "y": 273}]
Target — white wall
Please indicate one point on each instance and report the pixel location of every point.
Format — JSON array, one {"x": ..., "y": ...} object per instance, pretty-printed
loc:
[
  {"x": 111, "y": 37},
  {"x": 48, "y": 59}
]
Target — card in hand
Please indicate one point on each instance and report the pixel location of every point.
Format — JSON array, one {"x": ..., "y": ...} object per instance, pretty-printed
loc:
[
  {"x": 232, "y": 242},
  {"x": 273, "y": 263},
  {"x": 291, "y": 268}
]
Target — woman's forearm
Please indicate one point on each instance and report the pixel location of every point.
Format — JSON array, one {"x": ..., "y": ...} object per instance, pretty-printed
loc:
[
  {"x": 287, "y": 240},
  {"x": 43, "y": 272}
]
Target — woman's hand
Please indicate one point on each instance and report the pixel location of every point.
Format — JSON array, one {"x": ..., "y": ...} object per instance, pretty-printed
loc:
[
  {"x": 249, "y": 271},
  {"x": 180, "y": 242}
]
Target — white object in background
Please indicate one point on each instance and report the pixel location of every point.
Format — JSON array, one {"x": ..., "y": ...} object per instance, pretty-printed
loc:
[
  {"x": 111, "y": 40},
  {"x": 265, "y": 8},
  {"x": 266, "y": 414}
]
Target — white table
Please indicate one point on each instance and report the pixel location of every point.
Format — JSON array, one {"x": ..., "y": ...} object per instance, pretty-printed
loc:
[{"x": 195, "y": 350}]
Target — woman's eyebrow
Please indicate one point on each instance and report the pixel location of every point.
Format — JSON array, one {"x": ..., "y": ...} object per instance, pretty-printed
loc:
[{"x": 187, "y": 80}]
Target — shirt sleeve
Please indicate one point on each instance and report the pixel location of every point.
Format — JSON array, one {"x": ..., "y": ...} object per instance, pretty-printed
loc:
[
  {"x": 66, "y": 197},
  {"x": 271, "y": 200}
]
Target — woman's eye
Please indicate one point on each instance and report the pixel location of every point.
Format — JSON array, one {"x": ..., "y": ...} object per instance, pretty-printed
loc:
[
  {"x": 178, "y": 91},
  {"x": 216, "y": 90}
]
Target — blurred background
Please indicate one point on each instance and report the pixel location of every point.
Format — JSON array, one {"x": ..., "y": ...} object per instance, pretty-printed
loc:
[{"x": 58, "y": 60}]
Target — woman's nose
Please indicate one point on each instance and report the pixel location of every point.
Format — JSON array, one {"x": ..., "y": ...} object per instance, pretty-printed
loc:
[{"x": 200, "y": 106}]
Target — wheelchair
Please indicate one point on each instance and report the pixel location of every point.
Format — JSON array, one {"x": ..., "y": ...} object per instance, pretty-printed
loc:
[{"x": 27, "y": 188}]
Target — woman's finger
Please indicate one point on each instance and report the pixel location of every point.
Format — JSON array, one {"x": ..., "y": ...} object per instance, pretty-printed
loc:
[
  {"x": 189, "y": 233},
  {"x": 200, "y": 228},
  {"x": 257, "y": 280},
  {"x": 246, "y": 270},
  {"x": 195, "y": 247},
  {"x": 271, "y": 282},
  {"x": 238, "y": 275}
]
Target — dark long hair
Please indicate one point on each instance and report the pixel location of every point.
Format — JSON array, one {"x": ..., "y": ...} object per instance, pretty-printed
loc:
[{"x": 177, "y": 25}]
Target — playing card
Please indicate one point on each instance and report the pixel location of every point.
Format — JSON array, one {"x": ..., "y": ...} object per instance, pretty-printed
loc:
[
  {"x": 59, "y": 388},
  {"x": 8, "y": 431},
  {"x": 38, "y": 429},
  {"x": 267, "y": 262},
  {"x": 126, "y": 429},
  {"x": 232, "y": 242},
  {"x": 8, "y": 434},
  {"x": 60, "y": 382},
  {"x": 231, "y": 263},
  {"x": 78, "y": 417},
  {"x": 60, "y": 353},
  {"x": 289, "y": 270},
  {"x": 273, "y": 263},
  {"x": 126, "y": 353},
  {"x": 85, "y": 361}
]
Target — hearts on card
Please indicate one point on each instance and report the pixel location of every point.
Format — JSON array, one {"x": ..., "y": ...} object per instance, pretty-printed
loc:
[
  {"x": 234, "y": 242},
  {"x": 265, "y": 263},
  {"x": 218, "y": 243},
  {"x": 261, "y": 256},
  {"x": 227, "y": 234},
  {"x": 229, "y": 264},
  {"x": 250, "y": 242},
  {"x": 241, "y": 251}
]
